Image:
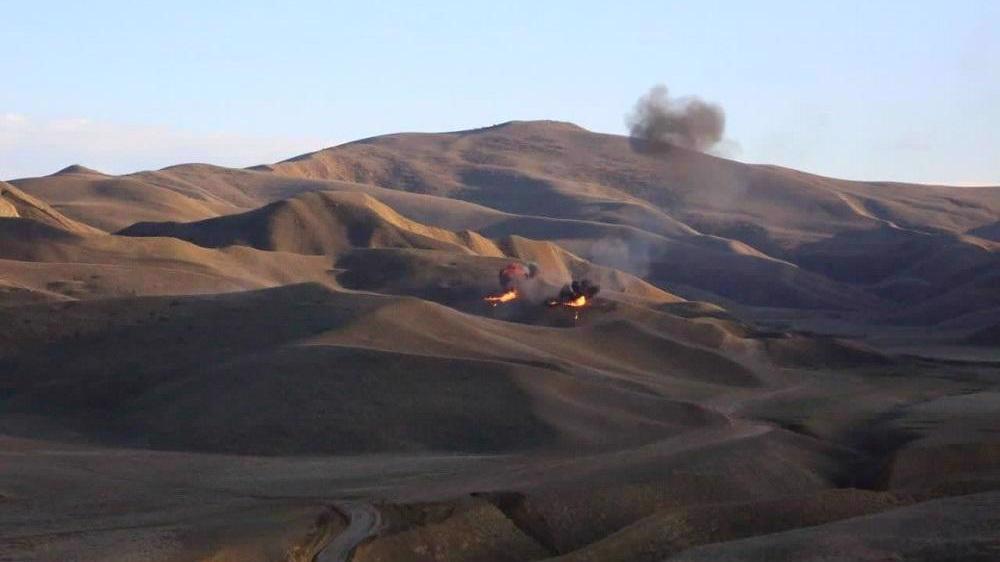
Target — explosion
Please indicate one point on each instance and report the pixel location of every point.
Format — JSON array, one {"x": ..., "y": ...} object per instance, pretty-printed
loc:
[
  {"x": 510, "y": 278},
  {"x": 577, "y": 295},
  {"x": 513, "y": 281},
  {"x": 494, "y": 300}
]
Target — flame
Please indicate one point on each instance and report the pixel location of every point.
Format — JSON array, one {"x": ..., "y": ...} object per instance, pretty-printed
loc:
[
  {"x": 575, "y": 303},
  {"x": 506, "y": 297},
  {"x": 579, "y": 301}
]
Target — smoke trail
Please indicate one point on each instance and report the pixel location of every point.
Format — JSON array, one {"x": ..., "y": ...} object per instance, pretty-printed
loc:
[{"x": 659, "y": 122}]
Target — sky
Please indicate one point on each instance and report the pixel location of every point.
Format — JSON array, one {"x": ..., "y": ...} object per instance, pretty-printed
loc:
[{"x": 889, "y": 90}]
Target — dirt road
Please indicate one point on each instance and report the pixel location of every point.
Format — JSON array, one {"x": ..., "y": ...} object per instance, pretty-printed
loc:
[{"x": 364, "y": 521}]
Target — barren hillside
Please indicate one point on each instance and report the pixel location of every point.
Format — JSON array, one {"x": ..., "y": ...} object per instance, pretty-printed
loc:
[{"x": 521, "y": 342}]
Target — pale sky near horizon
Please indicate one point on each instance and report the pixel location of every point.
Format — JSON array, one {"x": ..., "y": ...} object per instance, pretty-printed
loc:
[{"x": 888, "y": 90}]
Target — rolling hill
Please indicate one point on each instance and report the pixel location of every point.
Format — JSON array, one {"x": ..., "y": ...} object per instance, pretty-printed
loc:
[{"x": 206, "y": 363}]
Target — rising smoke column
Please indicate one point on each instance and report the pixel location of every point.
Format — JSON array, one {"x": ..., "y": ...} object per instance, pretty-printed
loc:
[{"x": 659, "y": 122}]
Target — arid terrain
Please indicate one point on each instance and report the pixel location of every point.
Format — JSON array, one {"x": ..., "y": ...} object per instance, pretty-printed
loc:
[{"x": 295, "y": 361}]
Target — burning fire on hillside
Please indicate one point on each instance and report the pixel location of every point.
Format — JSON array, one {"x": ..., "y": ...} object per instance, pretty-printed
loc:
[
  {"x": 508, "y": 296},
  {"x": 576, "y": 295},
  {"x": 514, "y": 276},
  {"x": 511, "y": 277}
]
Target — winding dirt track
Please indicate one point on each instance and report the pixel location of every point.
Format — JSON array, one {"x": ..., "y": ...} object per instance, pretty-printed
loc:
[{"x": 364, "y": 521}]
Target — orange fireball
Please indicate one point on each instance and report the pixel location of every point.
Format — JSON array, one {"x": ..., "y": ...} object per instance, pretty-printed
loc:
[{"x": 494, "y": 300}]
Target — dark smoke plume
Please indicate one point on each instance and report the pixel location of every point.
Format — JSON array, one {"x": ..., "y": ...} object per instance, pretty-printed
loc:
[{"x": 659, "y": 122}]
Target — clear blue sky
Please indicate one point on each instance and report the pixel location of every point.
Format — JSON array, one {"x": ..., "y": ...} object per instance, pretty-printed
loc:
[{"x": 904, "y": 90}]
